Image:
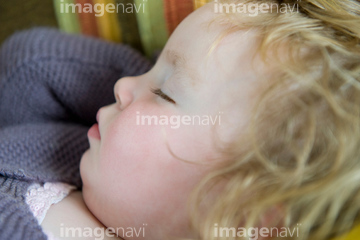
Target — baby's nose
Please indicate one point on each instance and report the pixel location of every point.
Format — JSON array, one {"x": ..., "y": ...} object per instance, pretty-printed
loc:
[{"x": 124, "y": 91}]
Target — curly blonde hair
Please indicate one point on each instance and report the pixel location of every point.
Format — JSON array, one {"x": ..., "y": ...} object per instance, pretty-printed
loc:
[{"x": 298, "y": 166}]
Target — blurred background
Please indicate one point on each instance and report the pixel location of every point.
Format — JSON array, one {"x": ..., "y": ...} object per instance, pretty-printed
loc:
[
  {"x": 19, "y": 14},
  {"x": 144, "y": 24}
]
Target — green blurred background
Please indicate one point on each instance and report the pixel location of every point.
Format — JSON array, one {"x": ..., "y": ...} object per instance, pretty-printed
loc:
[{"x": 22, "y": 14}]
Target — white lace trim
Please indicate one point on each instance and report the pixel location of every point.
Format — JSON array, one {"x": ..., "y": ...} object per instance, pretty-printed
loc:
[{"x": 40, "y": 197}]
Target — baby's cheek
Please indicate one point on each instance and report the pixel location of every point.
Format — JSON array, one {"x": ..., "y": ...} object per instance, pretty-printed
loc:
[{"x": 126, "y": 146}]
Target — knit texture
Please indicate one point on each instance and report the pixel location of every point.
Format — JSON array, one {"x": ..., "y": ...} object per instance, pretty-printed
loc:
[{"x": 51, "y": 86}]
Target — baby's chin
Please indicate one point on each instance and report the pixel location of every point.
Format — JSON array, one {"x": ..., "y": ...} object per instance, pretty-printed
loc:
[
  {"x": 91, "y": 194},
  {"x": 83, "y": 166},
  {"x": 87, "y": 198},
  {"x": 90, "y": 202},
  {"x": 87, "y": 178}
]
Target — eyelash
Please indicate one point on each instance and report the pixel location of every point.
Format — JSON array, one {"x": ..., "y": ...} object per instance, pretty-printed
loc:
[{"x": 159, "y": 92}]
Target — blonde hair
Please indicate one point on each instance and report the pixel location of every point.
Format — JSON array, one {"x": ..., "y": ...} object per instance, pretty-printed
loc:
[{"x": 299, "y": 162}]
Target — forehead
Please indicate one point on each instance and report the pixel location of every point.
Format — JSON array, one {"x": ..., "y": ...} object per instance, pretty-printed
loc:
[
  {"x": 201, "y": 42},
  {"x": 194, "y": 35}
]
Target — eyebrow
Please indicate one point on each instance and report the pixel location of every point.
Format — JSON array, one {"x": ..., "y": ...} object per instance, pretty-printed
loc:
[
  {"x": 182, "y": 68},
  {"x": 175, "y": 58}
]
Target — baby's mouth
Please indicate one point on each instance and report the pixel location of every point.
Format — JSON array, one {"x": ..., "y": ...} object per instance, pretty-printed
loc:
[{"x": 94, "y": 132}]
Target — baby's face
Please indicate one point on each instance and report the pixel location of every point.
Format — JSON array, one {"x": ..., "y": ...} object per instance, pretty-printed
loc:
[{"x": 131, "y": 178}]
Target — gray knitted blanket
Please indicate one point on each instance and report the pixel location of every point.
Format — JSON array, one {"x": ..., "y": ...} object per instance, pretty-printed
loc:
[{"x": 51, "y": 86}]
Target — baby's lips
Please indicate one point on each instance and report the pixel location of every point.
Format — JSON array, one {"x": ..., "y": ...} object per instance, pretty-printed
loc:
[{"x": 94, "y": 132}]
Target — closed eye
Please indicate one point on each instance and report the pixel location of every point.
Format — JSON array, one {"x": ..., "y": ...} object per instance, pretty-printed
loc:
[{"x": 159, "y": 92}]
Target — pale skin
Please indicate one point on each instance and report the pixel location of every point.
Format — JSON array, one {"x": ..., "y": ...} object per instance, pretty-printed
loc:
[
  {"x": 130, "y": 177},
  {"x": 71, "y": 212}
]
